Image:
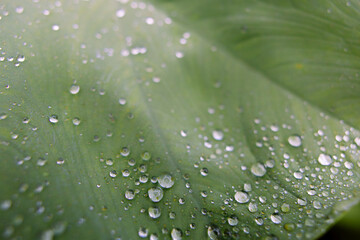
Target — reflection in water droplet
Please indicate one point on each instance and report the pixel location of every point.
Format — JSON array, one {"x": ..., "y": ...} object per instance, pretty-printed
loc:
[
  {"x": 166, "y": 181},
  {"x": 241, "y": 197},
  {"x": 258, "y": 169},
  {"x": 155, "y": 194},
  {"x": 324, "y": 159}
]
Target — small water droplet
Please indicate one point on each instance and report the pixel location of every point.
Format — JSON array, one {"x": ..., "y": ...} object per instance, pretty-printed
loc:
[
  {"x": 74, "y": 89},
  {"x": 76, "y": 121},
  {"x": 324, "y": 159},
  {"x": 252, "y": 207},
  {"x": 145, "y": 156},
  {"x": 55, "y": 27},
  {"x": 129, "y": 194},
  {"x": 285, "y": 207},
  {"x": 113, "y": 173},
  {"x": 295, "y": 140},
  {"x": 218, "y": 135},
  {"x": 183, "y": 133},
  {"x": 5, "y": 205},
  {"x": 125, "y": 152},
  {"x": 122, "y": 101},
  {"x": 233, "y": 221},
  {"x": 258, "y": 169},
  {"x": 120, "y": 13},
  {"x": 155, "y": 194},
  {"x": 3, "y": 116},
  {"x": 275, "y": 218},
  {"x": 166, "y": 181},
  {"x": 53, "y": 119},
  {"x": 176, "y": 234},
  {"x": 154, "y": 212},
  {"x": 204, "y": 172},
  {"x": 241, "y": 197},
  {"x": 143, "y": 232}
]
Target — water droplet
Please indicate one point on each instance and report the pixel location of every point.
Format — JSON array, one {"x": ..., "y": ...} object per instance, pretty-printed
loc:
[
  {"x": 176, "y": 234},
  {"x": 5, "y": 205},
  {"x": 285, "y": 207},
  {"x": 258, "y": 169},
  {"x": 259, "y": 221},
  {"x": 60, "y": 161},
  {"x": 145, "y": 156},
  {"x": 21, "y": 58},
  {"x": 154, "y": 237},
  {"x": 253, "y": 207},
  {"x": 233, "y": 221},
  {"x": 120, "y": 13},
  {"x": 154, "y": 212},
  {"x": 213, "y": 233},
  {"x": 55, "y": 27},
  {"x": 125, "y": 152},
  {"x": 113, "y": 173},
  {"x": 289, "y": 227},
  {"x": 295, "y": 140},
  {"x": 179, "y": 54},
  {"x": 317, "y": 204},
  {"x": 166, "y": 181},
  {"x": 155, "y": 194},
  {"x": 53, "y": 119},
  {"x": 241, "y": 197},
  {"x": 183, "y": 133},
  {"x": 143, "y": 232},
  {"x": 324, "y": 159},
  {"x": 3, "y": 116},
  {"x": 218, "y": 135},
  {"x": 129, "y": 194},
  {"x": 76, "y": 121},
  {"x": 122, "y": 101},
  {"x": 149, "y": 21},
  {"x": 275, "y": 218},
  {"x": 204, "y": 172},
  {"x": 298, "y": 175},
  {"x": 74, "y": 89}
]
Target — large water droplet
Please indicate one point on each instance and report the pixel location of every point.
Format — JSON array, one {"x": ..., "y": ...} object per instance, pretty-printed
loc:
[
  {"x": 166, "y": 181},
  {"x": 241, "y": 197},
  {"x": 324, "y": 159},
  {"x": 129, "y": 194},
  {"x": 155, "y": 194},
  {"x": 233, "y": 221},
  {"x": 258, "y": 169}
]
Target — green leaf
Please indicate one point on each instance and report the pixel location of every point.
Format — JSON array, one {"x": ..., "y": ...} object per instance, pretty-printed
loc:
[{"x": 206, "y": 119}]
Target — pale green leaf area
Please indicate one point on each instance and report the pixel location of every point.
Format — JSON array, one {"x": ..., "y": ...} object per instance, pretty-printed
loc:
[{"x": 177, "y": 120}]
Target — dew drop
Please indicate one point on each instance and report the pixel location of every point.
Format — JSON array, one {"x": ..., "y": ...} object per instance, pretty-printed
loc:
[
  {"x": 113, "y": 173},
  {"x": 125, "y": 152},
  {"x": 129, "y": 194},
  {"x": 213, "y": 233},
  {"x": 233, "y": 221},
  {"x": 241, "y": 197},
  {"x": 166, "y": 181},
  {"x": 285, "y": 207},
  {"x": 143, "y": 232},
  {"x": 122, "y": 101},
  {"x": 275, "y": 218},
  {"x": 145, "y": 156},
  {"x": 154, "y": 212},
  {"x": 3, "y": 116},
  {"x": 258, "y": 169},
  {"x": 324, "y": 159},
  {"x": 204, "y": 172},
  {"x": 120, "y": 13},
  {"x": 176, "y": 234},
  {"x": 218, "y": 135},
  {"x": 76, "y": 121},
  {"x": 183, "y": 133},
  {"x": 53, "y": 119},
  {"x": 252, "y": 207},
  {"x": 74, "y": 89},
  {"x": 155, "y": 194},
  {"x": 295, "y": 140},
  {"x": 55, "y": 27},
  {"x": 5, "y": 205}
]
